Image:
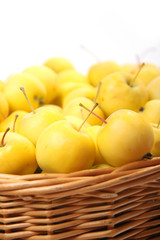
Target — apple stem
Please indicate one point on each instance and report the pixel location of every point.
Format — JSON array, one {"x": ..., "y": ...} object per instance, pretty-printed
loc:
[
  {"x": 2, "y": 141},
  {"x": 23, "y": 90},
  {"x": 90, "y": 112},
  {"x": 14, "y": 123},
  {"x": 103, "y": 120},
  {"x": 82, "y": 114},
  {"x": 98, "y": 88},
  {"x": 137, "y": 73},
  {"x": 91, "y": 53}
]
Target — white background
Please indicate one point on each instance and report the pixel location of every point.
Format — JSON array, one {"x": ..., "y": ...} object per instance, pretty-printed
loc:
[{"x": 31, "y": 31}]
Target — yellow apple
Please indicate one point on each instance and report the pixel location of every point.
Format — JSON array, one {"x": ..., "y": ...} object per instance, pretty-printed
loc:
[
  {"x": 76, "y": 122},
  {"x": 35, "y": 90},
  {"x": 151, "y": 111},
  {"x": 87, "y": 92},
  {"x": 32, "y": 124},
  {"x": 59, "y": 64},
  {"x": 100, "y": 166},
  {"x": 73, "y": 108},
  {"x": 71, "y": 75},
  {"x": 4, "y": 107},
  {"x": 8, "y": 122},
  {"x": 62, "y": 149},
  {"x": 154, "y": 88},
  {"x": 155, "y": 151},
  {"x": 100, "y": 70},
  {"x": 17, "y": 154},
  {"x": 119, "y": 91},
  {"x": 92, "y": 131},
  {"x": 147, "y": 74},
  {"x": 1, "y": 85},
  {"x": 58, "y": 108},
  {"x": 126, "y": 137},
  {"x": 129, "y": 68},
  {"x": 48, "y": 78},
  {"x": 66, "y": 88}
]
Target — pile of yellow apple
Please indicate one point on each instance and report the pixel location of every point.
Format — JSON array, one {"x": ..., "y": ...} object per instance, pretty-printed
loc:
[{"x": 57, "y": 119}]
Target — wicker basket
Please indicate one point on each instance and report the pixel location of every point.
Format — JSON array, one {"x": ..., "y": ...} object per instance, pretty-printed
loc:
[{"x": 114, "y": 203}]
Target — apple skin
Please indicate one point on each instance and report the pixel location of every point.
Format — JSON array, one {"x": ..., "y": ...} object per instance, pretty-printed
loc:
[
  {"x": 73, "y": 108},
  {"x": 125, "y": 138},
  {"x": 147, "y": 74},
  {"x": 4, "y": 107},
  {"x": 66, "y": 88},
  {"x": 71, "y": 75},
  {"x": 8, "y": 122},
  {"x": 1, "y": 85},
  {"x": 87, "y": 92},
  {"x": 59, "y": 64},
  {"x": 100, "y": 70},
  {"x": 118, "y": 92},
  {"x": 62, "y": 149},
  {"x": 32, "y": 124},
  {"x": 48, "y": 78},
  {"x": 58, "y": 108},
  {"x": 129, "y": 68},
  {"x": 100, "y": 166},
  {"x": 92, "y": 131},
  {"x": 155, "y": 151},
  {"x": 34, "y": 89},
  {"x": 151, "y": 111},
  {"x": 18, "y": 155},
  {"x": 154, "y": 89},
  {"x": 76, "y": 122}
]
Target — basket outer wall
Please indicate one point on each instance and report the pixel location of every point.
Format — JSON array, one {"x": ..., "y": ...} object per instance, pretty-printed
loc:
[{"x": 112, "y": 203}]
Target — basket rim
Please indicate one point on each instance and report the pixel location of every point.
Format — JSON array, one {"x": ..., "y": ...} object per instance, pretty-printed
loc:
[{"x": 146, "y": 162}]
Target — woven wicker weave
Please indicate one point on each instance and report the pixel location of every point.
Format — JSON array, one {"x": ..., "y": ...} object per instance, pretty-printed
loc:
[{"x": 114, "y": 203}]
